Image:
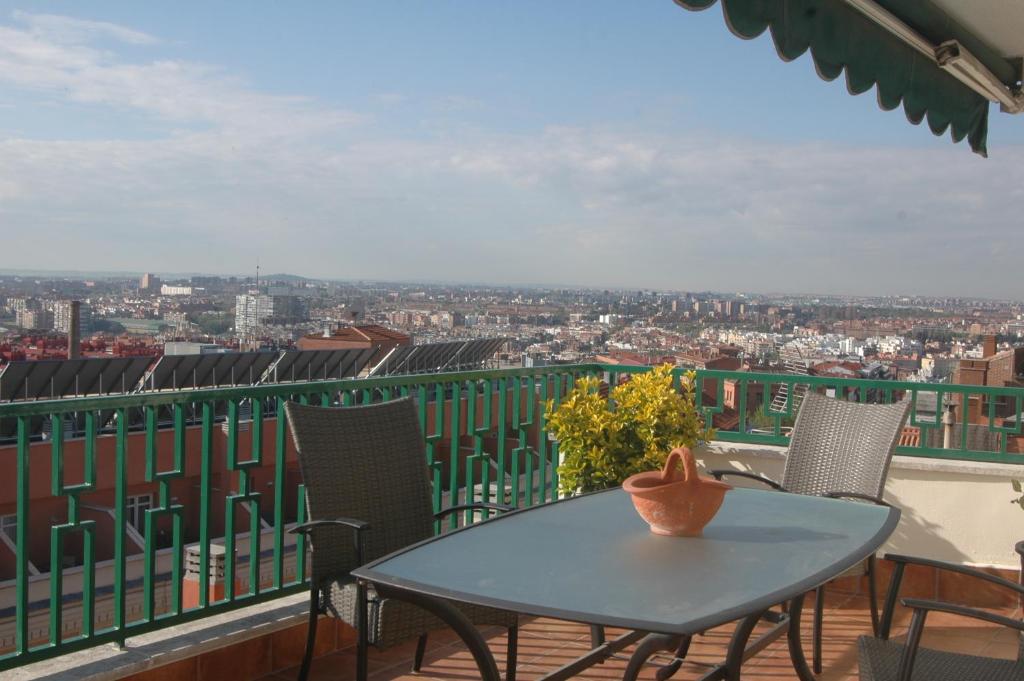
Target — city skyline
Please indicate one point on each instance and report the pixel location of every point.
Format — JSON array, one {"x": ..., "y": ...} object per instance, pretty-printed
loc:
[
  {"x": 271, "y": 277},
  {"x": 589, "y": 145}
]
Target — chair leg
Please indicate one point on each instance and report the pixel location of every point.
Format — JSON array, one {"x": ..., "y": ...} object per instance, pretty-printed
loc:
[
  {"x": 421, "y": 648},
  {"x": 819, "y": 608},
  {"x": 873, "y": 596},
  {"x": 314, "y": 617},
  {"x": 363, "y": 628},
  {"x": 511, "y": 653}
]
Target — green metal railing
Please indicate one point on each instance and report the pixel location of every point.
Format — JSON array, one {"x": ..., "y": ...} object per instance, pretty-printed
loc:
[
  {"x": 484, "y": 437},
  {"x": 1000, "y": 409}
]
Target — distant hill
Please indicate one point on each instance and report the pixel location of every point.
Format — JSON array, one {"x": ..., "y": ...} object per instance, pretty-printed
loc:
[{"x": 284, "y": 277}]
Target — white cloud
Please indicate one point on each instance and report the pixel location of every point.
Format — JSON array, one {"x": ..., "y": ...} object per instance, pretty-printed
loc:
[
  {"x": 56, "y": 55},
  {"x": 68, "y": 30},
  {"x": 237, "y": 174}
]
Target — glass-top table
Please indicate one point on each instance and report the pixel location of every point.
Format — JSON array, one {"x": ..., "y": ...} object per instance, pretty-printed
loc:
[{"x": 592, "y": 559}]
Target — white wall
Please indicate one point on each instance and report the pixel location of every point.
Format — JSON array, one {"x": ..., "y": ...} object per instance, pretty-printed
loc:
[{"x": 952, "y": 510}]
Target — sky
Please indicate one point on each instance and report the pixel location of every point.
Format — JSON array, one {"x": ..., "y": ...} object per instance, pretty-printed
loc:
[{"x": 592, "y": 143}]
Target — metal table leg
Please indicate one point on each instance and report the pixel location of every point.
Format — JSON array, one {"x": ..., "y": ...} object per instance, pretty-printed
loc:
[
  {"x": 738, "y": 647},
  {"x": 729, "y": 670},
  {"x": 651, "y": 644},
  {"x": 796, "y": 649},
  {"x": 454, "y": 618}
]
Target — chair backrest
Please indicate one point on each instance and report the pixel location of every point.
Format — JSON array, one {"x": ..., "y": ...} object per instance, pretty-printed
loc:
[
  {"x": 841, "y": 446},
  {"x": 363, "y": 462}
]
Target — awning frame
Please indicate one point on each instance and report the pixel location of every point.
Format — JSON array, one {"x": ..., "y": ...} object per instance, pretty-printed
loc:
[{"x": 951, "y": 56}]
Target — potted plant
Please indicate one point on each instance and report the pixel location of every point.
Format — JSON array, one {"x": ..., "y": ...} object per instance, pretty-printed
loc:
[{"x": 604, "y": 441}]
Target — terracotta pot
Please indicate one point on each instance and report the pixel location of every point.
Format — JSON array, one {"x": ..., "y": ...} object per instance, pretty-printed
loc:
[{"x": 676, "y": 503}]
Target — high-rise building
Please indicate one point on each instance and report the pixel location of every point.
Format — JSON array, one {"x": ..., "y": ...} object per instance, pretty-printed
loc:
[
  {"x": 149, "y": 282},
  {"x": 17, "y": 305},
  {"x": 251, "y": 310},
  {"x": 62, "y": 316},
  {"x": 35, "y": 319},
  {"x": 288, "y": 309}
]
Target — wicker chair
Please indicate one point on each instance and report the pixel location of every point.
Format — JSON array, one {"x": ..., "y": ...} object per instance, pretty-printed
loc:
[
  {"x": 839, "y": 449},
  {"x": 884, "y": 660},
  {"x": 368, "y": 493}
]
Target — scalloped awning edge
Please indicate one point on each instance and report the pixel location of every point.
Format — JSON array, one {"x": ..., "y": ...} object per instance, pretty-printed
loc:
[{"x": 843, "y": 40}]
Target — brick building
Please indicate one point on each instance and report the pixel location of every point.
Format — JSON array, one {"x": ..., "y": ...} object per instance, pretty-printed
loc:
[
  {"x": 997, "y": 369},
  {"x": 355, "y": 337}
]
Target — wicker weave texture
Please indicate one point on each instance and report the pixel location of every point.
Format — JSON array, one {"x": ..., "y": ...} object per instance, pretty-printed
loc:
[
  {"x": 367, "y": 462},
  {"x": 880, "y": 661},
  {"x": 840, "y": 446},
  {"x": 392, "y": 622},
  {"x": 363, "y": 462}
]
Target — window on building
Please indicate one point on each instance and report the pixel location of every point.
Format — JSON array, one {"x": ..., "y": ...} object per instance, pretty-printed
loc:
[
  {"x": 9, "y": 526},
  {"x": 137, "y": 507}
]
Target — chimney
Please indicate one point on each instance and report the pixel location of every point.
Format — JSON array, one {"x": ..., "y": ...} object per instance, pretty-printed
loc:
[
  {"x": 75, "y": 331},
  {"x": 215, "y": 581},
  {"x": 988, "y": 346}
]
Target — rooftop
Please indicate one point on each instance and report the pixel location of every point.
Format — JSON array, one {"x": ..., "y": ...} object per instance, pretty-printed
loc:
[
  {"x": 547, "y": 644},
  {"x": 364, "y": 333},
  {"x": 932, "y": 484}
]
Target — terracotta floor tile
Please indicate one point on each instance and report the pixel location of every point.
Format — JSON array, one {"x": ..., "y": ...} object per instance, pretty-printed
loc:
[
  {"x": 557, "y": 630},
  {"x": 175, "y": 671},
  {"x": 546, "y": 644},
  {"x": 289, "y": 645},
  {"x": 333, "y": 667},
  {"x": 248, "y": 659},
  {"x": 1006, "y": 634},
  {"x": 960, "y": 588},
  {"x": 1006, "y": 650}
]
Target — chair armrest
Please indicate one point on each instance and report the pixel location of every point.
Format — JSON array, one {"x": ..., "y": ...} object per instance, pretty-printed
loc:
[
  {"x": 902, "y": 561},
  {"x": 954, "y": 609},
  {"x": 475, "y": 506},
  {"x": 921, "y": 609},
  {"x": 306, "y": 527},
  {"x": 357, "y": 525},
  {"x": 718, "y": 474},
  {"x": 856, "y": 495},
  {"x": 953, "y": 567}
]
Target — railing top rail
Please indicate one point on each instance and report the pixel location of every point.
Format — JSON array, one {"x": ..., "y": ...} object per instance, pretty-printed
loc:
[
  {"x": 831, "y": 381},
  {"x": 157, "y": 398},
  {"x": 198, "y": 395}
]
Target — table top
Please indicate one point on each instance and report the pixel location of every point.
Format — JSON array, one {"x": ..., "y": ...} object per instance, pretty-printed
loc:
[{"x": 592, "y": 559}]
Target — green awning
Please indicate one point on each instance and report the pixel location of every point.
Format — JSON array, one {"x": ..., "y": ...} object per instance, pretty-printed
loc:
[{"x": 899, "y": 55}]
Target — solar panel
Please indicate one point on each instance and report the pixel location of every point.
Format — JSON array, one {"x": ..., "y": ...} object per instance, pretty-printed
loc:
[
  {"x": 51, "y": 379},
  {"x": 13, "y": 380},
  {"x": 353, "y": 362},
  {"x": 320, "y": 365},
  {"x": 47, "y": 379},
  {"x": 241, "y": 368},
  {"x": 418, "y": 360},
  {"x": 295, "y": 366},
  {"x": 394, "y": 358},
  {"x": 459, "y": 359},
  {"x": 224, "y": 369},
  {"x": 427, "y": 357},
  {"x": 173, "y": 372},
  {"x": 435, "y": 357},
  {"x": 481, "y": 350}
]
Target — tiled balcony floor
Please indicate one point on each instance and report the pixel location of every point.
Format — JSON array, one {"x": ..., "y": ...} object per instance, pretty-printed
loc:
[{"x": 545, "y": 645}]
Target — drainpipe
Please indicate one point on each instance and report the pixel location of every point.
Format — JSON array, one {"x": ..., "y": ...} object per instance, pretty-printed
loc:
[{"x": 948, "y": 421}]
